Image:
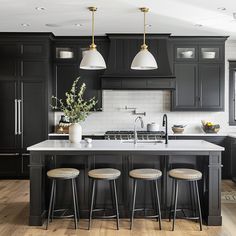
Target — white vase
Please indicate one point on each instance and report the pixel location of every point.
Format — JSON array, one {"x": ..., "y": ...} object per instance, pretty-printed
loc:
[{"x": 75, "y": 133}]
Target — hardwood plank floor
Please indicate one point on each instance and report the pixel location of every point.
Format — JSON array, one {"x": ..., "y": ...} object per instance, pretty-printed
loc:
[{"x": 14, "y": 198}]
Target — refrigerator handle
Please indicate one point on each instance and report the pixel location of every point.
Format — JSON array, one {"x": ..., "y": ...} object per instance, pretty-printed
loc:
[
  {"x": 16, "y": 132},
  {"x": 19, "y": 116}
]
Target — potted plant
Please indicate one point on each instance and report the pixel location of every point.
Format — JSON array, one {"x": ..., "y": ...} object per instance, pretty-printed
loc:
[{"x": 75, "y": 108}]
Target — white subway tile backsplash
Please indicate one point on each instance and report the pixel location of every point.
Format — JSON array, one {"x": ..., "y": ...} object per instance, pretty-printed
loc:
[{"x": 155, "y": 104}]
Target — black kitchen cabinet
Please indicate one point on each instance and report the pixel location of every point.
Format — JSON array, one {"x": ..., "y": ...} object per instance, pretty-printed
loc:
[
  {"x": 185, "y": 94},
  {"x": 8, "y": 106},
  {"x": 65, "y": 74},
  {"x": 198, "y": 64},
  {"x": 24, "y": 90},
  {"x": 211, "y": 86},
  {"x": 33, "y": 120}
]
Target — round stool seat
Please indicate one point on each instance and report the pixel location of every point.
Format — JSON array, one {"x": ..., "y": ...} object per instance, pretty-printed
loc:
[
  {"x": 185, "y": 174},
  {"x": 148, "y": 174},
  {"x": 63, "y": 173},
  {"x": 104, "y": 173}
]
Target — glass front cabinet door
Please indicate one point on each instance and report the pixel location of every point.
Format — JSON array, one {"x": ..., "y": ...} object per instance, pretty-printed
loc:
[
  {"x": 210, "y": 53},
  {"x": 185, "y": 53}
]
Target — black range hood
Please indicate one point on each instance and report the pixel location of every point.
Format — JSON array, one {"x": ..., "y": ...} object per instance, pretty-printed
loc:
[{"x": 123, "y": 48}]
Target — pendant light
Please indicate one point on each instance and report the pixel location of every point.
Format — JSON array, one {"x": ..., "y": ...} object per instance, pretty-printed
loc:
[
  {"x": 144, "y": 60},
  {"x": 92, "y": 59}
]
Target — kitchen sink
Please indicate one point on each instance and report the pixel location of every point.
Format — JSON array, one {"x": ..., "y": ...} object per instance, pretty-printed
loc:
[{"x": 143, "y": 141}]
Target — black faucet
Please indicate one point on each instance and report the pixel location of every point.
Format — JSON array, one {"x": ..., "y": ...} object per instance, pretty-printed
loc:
[{"x": 165, "y": 123}]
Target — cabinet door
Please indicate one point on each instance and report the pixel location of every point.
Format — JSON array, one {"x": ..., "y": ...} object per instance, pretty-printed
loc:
[
  {"x": 211, "y": 87},
  {"x": 33, "y": 113},
  {"x": 184, "y": 97},
  {"x": 35, "y": 50},
  {"x": 65, "y": 74},
  {"x": 8, "y": 117},
  {"x": 33, "y": 69},
  {"x": 10, "y": 164}
]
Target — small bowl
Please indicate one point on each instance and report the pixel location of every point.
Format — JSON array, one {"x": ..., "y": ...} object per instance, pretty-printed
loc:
[
  {"x": 208, "y": 55},
  {"x": 187, "y": 54},
  {"x": 178, "y": 130}
]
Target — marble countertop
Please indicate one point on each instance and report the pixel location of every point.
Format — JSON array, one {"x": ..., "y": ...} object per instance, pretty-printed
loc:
[
  {"x": 118, "y": 145},
  {"x": 170, "y": 134}
]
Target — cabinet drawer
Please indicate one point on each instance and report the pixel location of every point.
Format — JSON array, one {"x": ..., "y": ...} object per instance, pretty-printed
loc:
[{"x": 10, "y": 164}]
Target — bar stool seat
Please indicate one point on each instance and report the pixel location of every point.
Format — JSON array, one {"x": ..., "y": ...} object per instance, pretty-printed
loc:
[
  {"x": 146, "y": 174},
  {"x": 185, "y": 174},
  {"x": 110, "y": 175},
  {"x": 63, "y": 173},
  {"x": 104, "y": 173}
]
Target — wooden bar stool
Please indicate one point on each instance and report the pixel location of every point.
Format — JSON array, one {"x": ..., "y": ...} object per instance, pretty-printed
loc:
[
  {"x": 63, "y": 174},
  {"x": 146, "y": 175},
  {"x": 110, "y": 175},
  {"x": 192, "y": 176}
]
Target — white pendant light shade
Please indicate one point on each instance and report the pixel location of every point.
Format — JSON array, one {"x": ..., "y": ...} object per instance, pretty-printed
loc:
[
  {"x": 92, "y": 60},
  {"x": 144, "y": 60}
]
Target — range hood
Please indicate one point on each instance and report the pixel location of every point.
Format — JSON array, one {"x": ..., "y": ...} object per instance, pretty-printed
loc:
[{"x": 123, "y": 48}]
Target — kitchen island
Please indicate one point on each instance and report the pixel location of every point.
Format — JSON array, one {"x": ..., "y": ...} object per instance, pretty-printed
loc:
[{"x": 125, "y": 156}]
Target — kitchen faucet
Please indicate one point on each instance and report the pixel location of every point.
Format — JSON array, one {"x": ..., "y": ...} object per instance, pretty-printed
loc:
[
  {"x": 165, "y": 124},
  {"x": 135, "y": 131}
]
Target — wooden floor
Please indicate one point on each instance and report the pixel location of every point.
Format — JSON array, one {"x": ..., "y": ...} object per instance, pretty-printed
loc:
[{"x": 14, "y": 207}]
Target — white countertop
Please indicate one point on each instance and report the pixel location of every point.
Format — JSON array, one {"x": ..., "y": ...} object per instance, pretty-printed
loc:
[
  {"x": 170, "y": 134},
  {"x": 117, "y": 145}
]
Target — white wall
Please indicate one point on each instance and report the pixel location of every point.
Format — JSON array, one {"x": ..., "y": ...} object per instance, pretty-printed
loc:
[{"x": 155, "y": 104}]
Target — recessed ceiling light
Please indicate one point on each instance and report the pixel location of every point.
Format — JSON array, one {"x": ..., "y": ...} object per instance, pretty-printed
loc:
[
  {"x": 221, "y": 8},
  {"x": 52, "y": 25},
  {"x": 25, "y": 24},
  {"x": 78, "y": 25},
  {"x": 198, "y": 25},
  {"x": 40, "y": 8},
  {"x": 234, "y": 15}
]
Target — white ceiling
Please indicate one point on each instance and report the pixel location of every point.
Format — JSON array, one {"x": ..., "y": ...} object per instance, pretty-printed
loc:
[{"x": 177, "y": 17}]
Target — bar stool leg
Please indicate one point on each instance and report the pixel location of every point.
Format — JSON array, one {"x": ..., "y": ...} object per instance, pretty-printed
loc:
[
  {"x": 133, "y": 206},
  {"x": 92, "y": 201},
  {"x": 116, "y": 202},
  {"x": 77, "y": 201},
  {"x": 158, "y": 203},
  {"x": 172, "y": 199},
  {"x": 50, "y": 203},
  {"x": 175, "y": 206},
  {"x": 74, "y": 202},
  {"x": 199, "y": 206},
  {"x": 54, "y": 199}
]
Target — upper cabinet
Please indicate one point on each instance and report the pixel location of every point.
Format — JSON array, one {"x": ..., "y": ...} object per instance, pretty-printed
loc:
[
  {"x": 198, "y": 64},
  {"x": 68, "y": 53}
]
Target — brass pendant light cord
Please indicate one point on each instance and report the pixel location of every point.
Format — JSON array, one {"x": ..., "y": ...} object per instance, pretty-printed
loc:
[
  {"x": 144, "y": 10},
  {"x": 144, "y": 28},
  {"x": 92, "y": 27},
  {"x": 93, "y": 9}
]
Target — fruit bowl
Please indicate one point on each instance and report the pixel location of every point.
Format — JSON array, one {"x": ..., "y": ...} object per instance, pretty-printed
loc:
[{"x": 209, "y": 127}]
